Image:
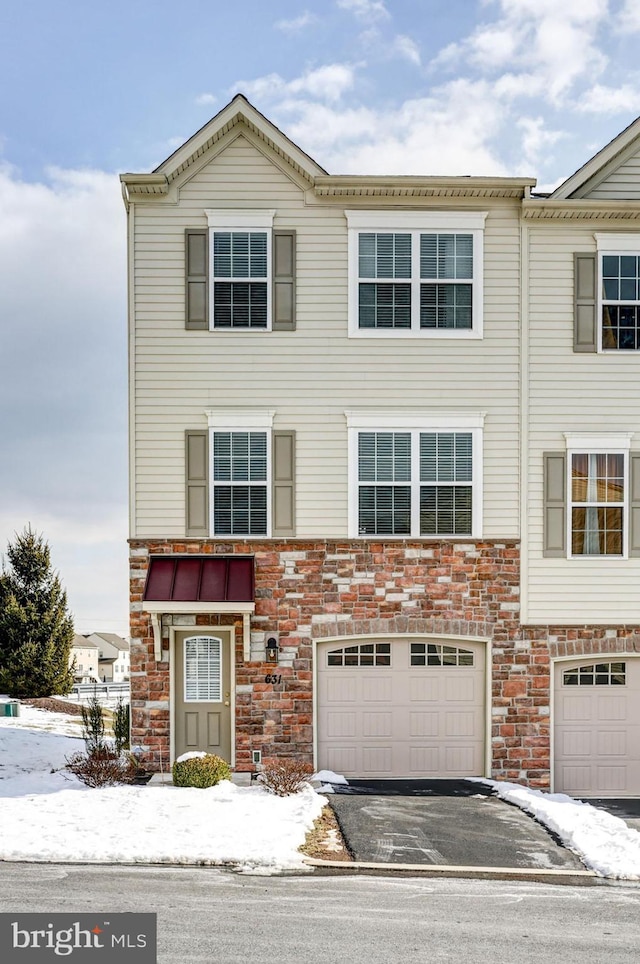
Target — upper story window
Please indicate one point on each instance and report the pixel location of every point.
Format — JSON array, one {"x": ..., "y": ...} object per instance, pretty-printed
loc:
[
  {"x": 240, "y": 474},
  {"x": 620, "y": 301},
  {"x": 597, "y": 503},
  {"x": 619, "y": 291},
  {"x": 415, "y": 476},
  {"x": 240, "y": 279},
  {"x": 240, "y": 269},
  {"x": 598, "y": 470},
  {"x": 415, "y": 274}
]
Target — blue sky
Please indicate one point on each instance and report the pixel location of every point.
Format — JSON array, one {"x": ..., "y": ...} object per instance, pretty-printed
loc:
[{"x": 530, "y": 87}]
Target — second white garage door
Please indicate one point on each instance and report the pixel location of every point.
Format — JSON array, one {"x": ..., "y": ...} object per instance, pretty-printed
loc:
[
  {"x": 401, "y": 708},
  {"x": 597, "y": 727}
]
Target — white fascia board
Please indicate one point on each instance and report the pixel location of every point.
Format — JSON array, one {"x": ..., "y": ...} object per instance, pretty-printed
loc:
[
  {"x": 412, "y": 419},
  {"x": 600, "y": 442},
  {"x": 149, "y": 606},
  {"x": 242, "y": 218},
  {"x": 427, "y": 220},
  {"x": 239, "y": 418}
]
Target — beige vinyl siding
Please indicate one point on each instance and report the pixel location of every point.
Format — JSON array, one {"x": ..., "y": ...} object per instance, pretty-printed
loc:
[
  {"x": 621, "y": 182},
  {"x": 312, "y": 375},
  {"x": 572, "y": 392}
]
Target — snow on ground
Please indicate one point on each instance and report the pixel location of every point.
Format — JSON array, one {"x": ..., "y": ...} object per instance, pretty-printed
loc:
[
  {"x": 53, "y": 816},
  {"x": 604, "y": 843},
  {"x": 50, "y": 815}
]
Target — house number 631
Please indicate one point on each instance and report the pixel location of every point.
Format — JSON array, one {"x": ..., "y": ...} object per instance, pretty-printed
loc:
[{"x": 273, "y": 678}]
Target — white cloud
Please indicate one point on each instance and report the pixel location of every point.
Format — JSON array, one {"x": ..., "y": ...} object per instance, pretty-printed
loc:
[
  {"x": 63, "y": 377},
  {"x": 407, "y": 48},
  {"x": 610, "y": 100},
  {"x": 305, "y": 19},
  {"x": 536, "y": 140},
  {"x": 448, "y": 132},
  {"x": 366, "y": 9},
  {"x": 206, "y": 100},
  {"x": 546, "y": 49},
  {"x": 628, "y": 20},
  {"x": 327, "y": 83}
]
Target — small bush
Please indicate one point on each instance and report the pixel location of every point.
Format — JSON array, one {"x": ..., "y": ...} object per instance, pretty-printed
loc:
[
  {"x": 93, "y": 727},
  {"x": 200, "y": 771},
  {"x": 284, "y": 777},
  {"x": 121, "y": 722},
  {"x": 102, "y": 768}
]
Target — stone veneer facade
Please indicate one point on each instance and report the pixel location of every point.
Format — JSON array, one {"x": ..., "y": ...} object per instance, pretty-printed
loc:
[{"x": 310, "y": 590}]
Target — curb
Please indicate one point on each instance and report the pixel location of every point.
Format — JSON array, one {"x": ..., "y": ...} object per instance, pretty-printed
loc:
[{"x": 583, "y": 878}]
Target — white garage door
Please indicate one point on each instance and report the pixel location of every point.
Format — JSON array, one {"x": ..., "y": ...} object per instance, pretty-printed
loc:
[
  {"x": 401, "y": 708},
  {"x": 597, "y": 727}
]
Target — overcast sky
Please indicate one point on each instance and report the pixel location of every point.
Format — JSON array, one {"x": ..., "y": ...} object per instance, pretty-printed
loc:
[{"x": 528, "y": 87}]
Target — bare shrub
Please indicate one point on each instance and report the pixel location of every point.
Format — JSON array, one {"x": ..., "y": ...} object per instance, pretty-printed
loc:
[
  {"x": 284, "y": 776},
  {"x": 102, "y": 768}
]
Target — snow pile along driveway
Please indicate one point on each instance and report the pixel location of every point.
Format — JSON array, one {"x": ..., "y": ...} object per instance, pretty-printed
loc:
[
  {"x": 54, "y": 817},
  {"x": 603, "y": 842}
]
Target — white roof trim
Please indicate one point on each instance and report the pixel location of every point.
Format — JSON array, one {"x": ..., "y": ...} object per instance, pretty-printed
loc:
[
  {"x": 598, "y": 161},
  {"x": 239, "y": 109}
]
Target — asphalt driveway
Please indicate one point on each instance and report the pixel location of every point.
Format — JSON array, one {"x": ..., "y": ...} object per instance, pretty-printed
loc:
[{"x": 458, "y": 823}]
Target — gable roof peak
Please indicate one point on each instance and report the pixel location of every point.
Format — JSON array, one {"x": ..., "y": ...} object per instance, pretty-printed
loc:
[
  {"x": 239, "y": 110},
  {"x": 598, "y": 164}
]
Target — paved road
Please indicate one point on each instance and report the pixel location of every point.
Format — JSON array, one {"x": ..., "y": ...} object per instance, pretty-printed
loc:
[
  {"x": 473, "y": 831},
  {"x": 205, "y": 915}
]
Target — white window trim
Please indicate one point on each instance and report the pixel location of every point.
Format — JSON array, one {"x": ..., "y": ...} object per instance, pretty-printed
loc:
[
  {"x": 241, "y": 420},
  {"x": 417, "y": 222},
  {"x": 582, "y": 443},
  {"x": 228, "y": 219},
  {"x": 616, "y": 244},
  {"x": 184, "y": 667},
  {"x": 416, "y": 422}
]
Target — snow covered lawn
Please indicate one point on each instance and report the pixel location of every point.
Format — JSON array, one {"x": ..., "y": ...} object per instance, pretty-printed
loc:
[
  {"x": 603, "y": 842},
  {"x": 49, "y": 816}
]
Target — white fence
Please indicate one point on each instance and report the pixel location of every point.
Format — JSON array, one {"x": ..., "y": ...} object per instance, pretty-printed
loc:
[{"x": 102, "y": 691}]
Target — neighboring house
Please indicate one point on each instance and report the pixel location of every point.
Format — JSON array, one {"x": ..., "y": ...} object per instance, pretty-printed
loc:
[
  {"x": 114, "y": 659},
  {"x": 85, "y": 653},
  {"x": 344, "y": 390}
]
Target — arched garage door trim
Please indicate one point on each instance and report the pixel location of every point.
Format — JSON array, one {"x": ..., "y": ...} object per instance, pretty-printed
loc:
[
  {"x": 483, "y": 649},
  {"x": 576, "y": 740}
]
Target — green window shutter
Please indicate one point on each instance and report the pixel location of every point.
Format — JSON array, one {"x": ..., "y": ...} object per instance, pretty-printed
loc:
[
  {"x": 284, "y": 280},
  {"x": 634, "y": 504},
  {"x": 585, "y": 331},
  {"x": 197, "y": 278},
  {"x": 197, "y": 483},
  {"x": 284, "y": 494},
  {"x": 555, "y": 504}
]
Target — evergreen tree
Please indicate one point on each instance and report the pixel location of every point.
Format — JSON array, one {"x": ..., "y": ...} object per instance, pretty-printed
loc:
[{"x": 36, "y": 628}]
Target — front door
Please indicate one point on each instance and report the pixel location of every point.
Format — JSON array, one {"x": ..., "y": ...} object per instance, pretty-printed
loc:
[{"x": 203, "y": 692}]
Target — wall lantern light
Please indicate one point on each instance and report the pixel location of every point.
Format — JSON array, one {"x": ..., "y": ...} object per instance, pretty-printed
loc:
[{"x": 272, "y": 649}]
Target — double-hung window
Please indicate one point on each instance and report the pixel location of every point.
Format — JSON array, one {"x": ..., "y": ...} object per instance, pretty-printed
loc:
[
  {"x": 240, "y": 270},
  {"x": 619, "y": 287},
  {"x": 415, "y": 274},
  {"x": 415, "y": 476},
  {"x": 240, "y": 475},
  {"x": 597, "y": 494}
]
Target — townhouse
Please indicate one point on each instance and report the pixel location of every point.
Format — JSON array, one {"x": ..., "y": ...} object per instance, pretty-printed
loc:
[{"x": 382, "y": 457}]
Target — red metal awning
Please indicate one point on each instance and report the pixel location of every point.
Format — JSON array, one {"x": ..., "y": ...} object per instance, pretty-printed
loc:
[{"x": 201, "y": 579}]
